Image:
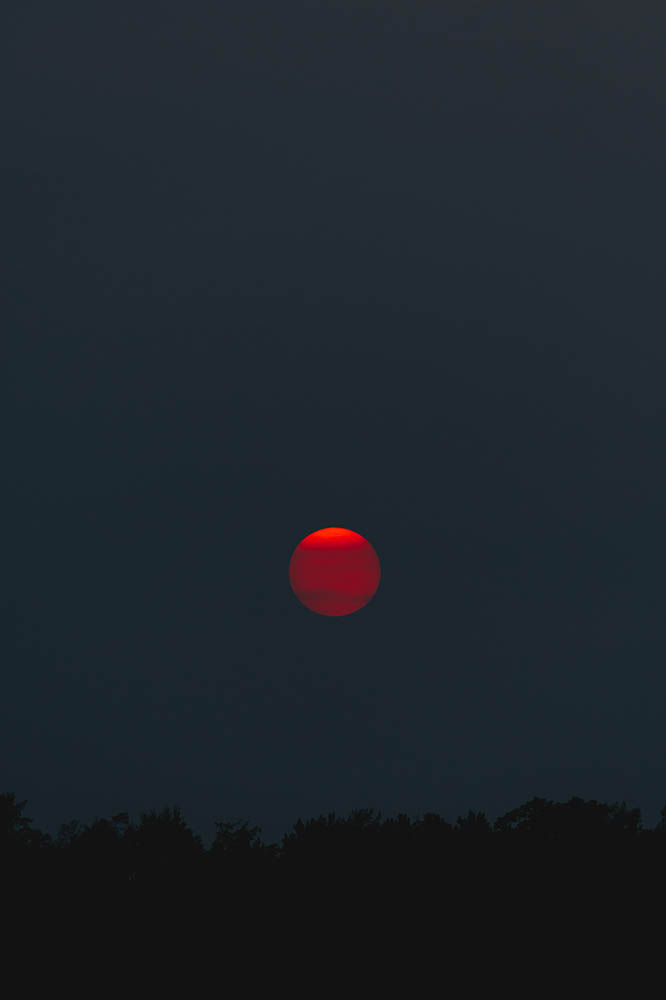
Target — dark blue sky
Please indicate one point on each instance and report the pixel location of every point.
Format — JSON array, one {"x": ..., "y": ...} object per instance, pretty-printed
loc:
[{"x": 268, "y": 267}]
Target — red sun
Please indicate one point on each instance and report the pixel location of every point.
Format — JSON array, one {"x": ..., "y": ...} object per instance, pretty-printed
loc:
[{"x": 334, "y": 571}]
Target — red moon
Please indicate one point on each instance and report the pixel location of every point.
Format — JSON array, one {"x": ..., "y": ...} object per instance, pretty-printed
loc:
[{"x": 334, "y": 571}]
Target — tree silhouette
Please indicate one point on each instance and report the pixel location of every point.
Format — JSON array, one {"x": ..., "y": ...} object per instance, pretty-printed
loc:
[
  {"x": 328, "y": 849},
  {"x": 661, "y": 825},
  {"x": 97, "y": 852},
  {"x": 238, "y": 854},
  {"x": 573, "y": 821},
  {"x": 236, "y": 838},
  {"x": 24, "y": 850},
  {"x": 16, "y": 830},
  {"x": 163, "y": 848},
  {"x": 13, "y": 824},
  {"x": 539, "y": 850},
  {"x": 474, "y": 826}
]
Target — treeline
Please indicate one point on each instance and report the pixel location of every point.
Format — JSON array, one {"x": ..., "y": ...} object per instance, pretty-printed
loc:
[{"x": 540, "y": 837}]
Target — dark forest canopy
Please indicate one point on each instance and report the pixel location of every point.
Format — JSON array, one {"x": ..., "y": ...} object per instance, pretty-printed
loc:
[{"x": 161, "y": 848}]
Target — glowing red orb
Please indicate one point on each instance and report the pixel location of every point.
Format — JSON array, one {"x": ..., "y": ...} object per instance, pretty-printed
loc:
[{"x": 334, "y": 571}]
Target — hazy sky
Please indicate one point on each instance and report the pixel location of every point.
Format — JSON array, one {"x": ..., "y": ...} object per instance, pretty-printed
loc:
[{"x": 268, "y": 267}]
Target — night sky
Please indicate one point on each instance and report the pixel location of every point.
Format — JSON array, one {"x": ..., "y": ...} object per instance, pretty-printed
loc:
[{"x": 273, "y": 266}]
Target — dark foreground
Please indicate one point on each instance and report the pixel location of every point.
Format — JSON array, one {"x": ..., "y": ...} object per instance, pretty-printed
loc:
[{"x": 540, "y": 846}]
